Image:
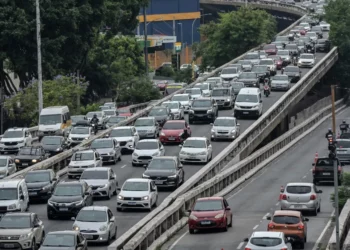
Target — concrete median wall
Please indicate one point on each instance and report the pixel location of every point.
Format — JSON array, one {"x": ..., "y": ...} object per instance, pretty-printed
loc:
[{"x": 344, "y": 225}]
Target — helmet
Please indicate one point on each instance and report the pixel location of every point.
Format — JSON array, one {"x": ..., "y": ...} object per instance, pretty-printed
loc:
[
  {"x": 95, "y": 116},
  {"x": 344, "y": 121},
  {"x": 329, "y": 130}
]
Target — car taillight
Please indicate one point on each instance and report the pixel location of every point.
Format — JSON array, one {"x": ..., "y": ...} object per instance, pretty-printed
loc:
[
  {"x": 284, "y": 249},
  {"x": 284, "y": 197},
  {"x": 313, "y": 197},
  {"x": 301, "y": 227},
  {"x": 249, "y": 248},
  {"x": 270, "y": 226}
]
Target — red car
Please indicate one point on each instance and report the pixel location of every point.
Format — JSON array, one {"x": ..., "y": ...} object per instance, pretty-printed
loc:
[
  {"x": 124, "y": 112},
  {"x": 209, "y": 213},
  {"x": 270, "y": 49},
  {"x": 278, "y": 61},
  {"x": 175, "y": 131}
]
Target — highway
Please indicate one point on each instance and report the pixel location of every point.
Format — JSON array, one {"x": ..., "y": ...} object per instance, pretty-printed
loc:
[{"x": 258, "y": 198}]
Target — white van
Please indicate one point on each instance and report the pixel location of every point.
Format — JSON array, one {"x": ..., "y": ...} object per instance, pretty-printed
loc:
[
  {"x": 248, "y": 103},
  {"x": 54, "y": 121},
  {"x": 14, "y": 196}
]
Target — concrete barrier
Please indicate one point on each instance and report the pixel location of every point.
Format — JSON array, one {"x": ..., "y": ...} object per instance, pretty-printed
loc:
[{"x": 344, "y": 226}]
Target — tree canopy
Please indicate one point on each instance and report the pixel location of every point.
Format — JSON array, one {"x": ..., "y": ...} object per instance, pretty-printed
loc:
[{"x": 235, "y": 33}]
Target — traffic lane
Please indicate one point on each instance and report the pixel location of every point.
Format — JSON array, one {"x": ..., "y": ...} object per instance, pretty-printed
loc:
[{"x": 259, "y": 197}]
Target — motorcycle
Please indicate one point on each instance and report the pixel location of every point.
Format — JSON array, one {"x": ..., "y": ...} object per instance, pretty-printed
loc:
[
  {"x": 343, "y": 128},
  {"x": 94, "y": 128},
  {"x": 266, "y": 90},
  {"x": 295, "y": 60}
]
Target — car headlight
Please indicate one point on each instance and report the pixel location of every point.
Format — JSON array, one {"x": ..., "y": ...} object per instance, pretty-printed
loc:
[
  {"x": 20, "y": 142},
  {"x": 59, "y": 149},
  {"x": 91, "y": 166},
  {"x": 192, "y": 217},
  {"x": 45, "y": 188},
  {"x": 155, "y": 154},
  {"x": 103, "y": 186},
  {"x": 130, "y": 140},
  {"x": 233, "y": 131},
  {"x": 219, "y": 216},
  {"x": 172, "y": 176},
  {"x": 51, "y": 203},
  {"x": 237, "y": 107},
  {"x": 135, "y": 154},
  {"x": 12, "y": 207},
  {"x": 86, "y": 138},
  {"x": 111, "y": 153},
  {"x": 162, "y": 134},
  {"x": 24, "y": 236},
  {"x": 213, "y": 131},
  {"x": 76, "y": 228},
  {"x": 145, "y": 198},
  {"x": 78, "y": 203},
  {"x": 203, "y": 153},
  {"x": 34, "y": 160},
  {"x": 103, "y": 228},
  {"x": 209, "y": 111},
  {"x": 120, "y": 197},
  {"x": 227, "y": 99},
  {"x": 191, "y": 111},
  {"x": 145, "y": 176}
]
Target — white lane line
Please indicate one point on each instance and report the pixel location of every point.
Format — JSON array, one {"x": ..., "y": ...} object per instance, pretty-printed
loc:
[
  {"x": 277, "y": 203},
  {"x": 240, "y": 245},
  {"x": 123, "y": 166},
  {"x": 177, "y": 241},
  {"x": 323, "y": 232},
  {"x": 310, "y": 169},
  {"x": 255, "y": 227},
  {"x": 264, "y": 218},
  {"x": 235, "y": 194},
  {"x": 304, "y": 176}
]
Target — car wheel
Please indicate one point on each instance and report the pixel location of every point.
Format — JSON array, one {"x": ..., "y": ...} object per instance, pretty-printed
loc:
[
  {"x": 115, "y": 159},
  {"x": 119, "y": 209},
  {"x": 302, "y": 245},
  {"x": 191, "y": 231},
  {"x": 42, "y": 238},
  {"x": 318, "y": 210},
  {"x": 230, "y": 225},
  {"x": 120, "y": 157},
  {"x": 115, "y": 233},
  {"x": 315, "y": 212},
  {"x": 155, "y": 204},
  {"x": 108, "y": 239},
  {"x": 34, "y": 244}
]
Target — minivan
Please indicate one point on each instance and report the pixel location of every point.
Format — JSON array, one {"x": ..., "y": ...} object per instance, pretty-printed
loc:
[
  {"x": 14, "y": 196},
  {"x": 54, "y": 121},
  {"x": 248, "y": 103}
]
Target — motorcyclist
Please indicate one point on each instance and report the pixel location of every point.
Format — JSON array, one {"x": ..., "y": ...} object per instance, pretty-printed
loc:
[
  {"x": 309, "y": 47},
  {"x": 344, "y": 127},
  {"x": 95, "y": 121},
  {"x": 329, "y": 133},
  {"x": 266, "y": 88},
  {"x": 295, "y": 57}
]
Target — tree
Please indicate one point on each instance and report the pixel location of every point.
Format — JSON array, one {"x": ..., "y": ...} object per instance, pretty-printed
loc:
[
  {"x": 235, "y": 33},
  {"x": 343, "y": 192}
]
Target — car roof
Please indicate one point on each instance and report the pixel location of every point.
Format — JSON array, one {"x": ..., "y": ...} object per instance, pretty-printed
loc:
[
  {"x": 97, "y": 169},
  {"x": 95, "y": 208},
  {"x": 146, "y": 118},
  {"x": 287, "y": 212},
  {"x": 267, "y": 233},
  {"x": 65, "y": 232},
  {"x": 196, "y": 138},
  {"x": 215, "y": 198},
  {"x": 203, "y": 99},
  {"x": 40, "y": 171},
  {"x": 165, "y": 157},
  {"x": 175, "y": 121},
  {"x": 53, "y": 136},
  {"x": 69, "y": 183},
  {"x": 85, "y": 151},
  {"x": 148, "y": 140},
  {"x": 125, "y": 127},
  {"x": 16, "y": 129},
  {"x": 300, "y": 184},
  {"x": 138, "y": 180},
  {"x": 10, "y": 183}
]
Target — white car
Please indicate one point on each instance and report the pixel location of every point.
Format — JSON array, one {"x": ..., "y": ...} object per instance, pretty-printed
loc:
[
  {"x": 270, "y": 65},
  {"x": 225, "y": 128},
  {"x": 306, "y": 26},
  {"x": 137, "y": 193},
  {"x": 110, "y": 112},
  {"x": 313, "y": 36},
  {"x": 285, "y": 55},
  {"x": 205, "y": 87},
  {"x": 7, "y": 166},
  {"x": 185, "y": 66},
  {"x": 79, "y": 134},
  {"x": 14, "y": 139},
  {"x": 262, "y": 54},
  {"x": 176, "y": 109},
  {"x": 217, "y": 79},
  {"x": 145, "y": 150},
  {"x": 196, "y": 149},
  {"x": 184, "y": 99},
  {"x": 82, "y": 160},
  {"x": 229, "y": 74},
  {"x": 126, "y": 136},
  {"x": 194, "y": 92},
  {"x": 96, "y": 220},
  {"x": 268, "y": 240},
  {"x": 325, "y": 26},
  {"x": 306, "y": 60}
]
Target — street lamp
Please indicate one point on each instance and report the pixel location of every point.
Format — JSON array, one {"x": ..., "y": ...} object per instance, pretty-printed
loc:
[
  {"x": 182, "y": 37},
  {"x": 209, "y": 14},
  {"x": 38, "y": 43}
]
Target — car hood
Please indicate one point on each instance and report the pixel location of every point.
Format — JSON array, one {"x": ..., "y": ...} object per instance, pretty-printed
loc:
[
  {"x": 279, "y": 82},
  {"x": 56, "y": 248},
  {"x": 306, "y": 60},
  {"x": 221, "y": 128},
  {"x": 159, "y": 172},
  {"x": 254, "y": 61},
  {"x": 134, "y": 194},
  {"x": 86, "y": 225},
  {"x": 229, "y": 75},
  {"x": 17, "y": 231},
  {"x": 51, "y": 147},
  {"x": 37, "y": 184},
  {"x": 175, "y": 110},
  {"x": 291, "y": 73},
  {"x": 27, "y": 157},
  {"x": 246, "y": 104},
  {"x": 201, "y": 108},
  {"x": 81, "y": 163},
  {"x": 96, "y": 182},
  {"x": 206, "y": 91},
  {"x": 221, "y": 97},
  {"x": 78, "y": 135},
  {"x": 144, "y": 128},
  {"x": 206, "y": 214},
  {"x": 104, "y": 150},
  {"x": 173, "y": 132},
  {"x": 125, "y": 138},
  {"x": 65, "y": 199},
  {"x": 11, "y": 139},
  {"x": 193, "y": 150},
  {"x": 145, "y": 152}
]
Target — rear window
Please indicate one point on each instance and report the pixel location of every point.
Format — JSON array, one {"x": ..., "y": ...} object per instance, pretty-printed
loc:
[
  {"x": 284, "y": 219},
  {"x": 265, "y": 241},
  {"x": 343, "y": 144},
  {"x": 324, "y": 163},
  {"x": 298, "y": 189},
  {"x": 345, "y": 136}
]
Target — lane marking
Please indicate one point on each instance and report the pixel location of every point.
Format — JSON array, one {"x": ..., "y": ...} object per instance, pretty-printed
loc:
[
  {"x": 123, "y": 166},
  {"x": 240, "y": 245},
  {"x": 177, "y": 241},
  {"x": 255, "y": 227},
  {"x": 310, "y": 169},
  {"x": 264, "y": 218},
  {"x": 304, "y": 176},
  {"x": 323, "y": 232},
  {"x": 234, "y": 194},
  {"x": 277, "y": 203}
]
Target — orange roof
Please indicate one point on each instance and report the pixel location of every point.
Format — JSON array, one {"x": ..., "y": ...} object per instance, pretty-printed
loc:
[
  {"x": 287, "y": 212},
  {"x": 176, "y": 121},
  {"x": 210, "y": 198}
]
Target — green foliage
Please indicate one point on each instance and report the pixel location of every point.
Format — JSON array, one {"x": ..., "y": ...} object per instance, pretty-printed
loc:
[
  {"x": 89, "y": 108},
  {"x": 167, "y": 72},
  {"x": 183, "y": 76},
  {"x": 59, "y": 92},
  {"x": 235, "y": 33},
  {"x": 343, "y": 191}
]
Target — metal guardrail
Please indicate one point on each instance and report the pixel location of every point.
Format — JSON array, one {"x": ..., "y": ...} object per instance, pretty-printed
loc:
[{"x": 236, "y": 174}]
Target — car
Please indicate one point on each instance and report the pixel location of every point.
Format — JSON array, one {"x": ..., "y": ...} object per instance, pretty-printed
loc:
[
  {"x": 7, "y": 166},
  {"x": 343, "y": 150},
  {"x": 247, "y": 65},
  {"x": 292, "y": 223},
  {"x": 54, "y": 144},
  {"x": 250, "y": 79},
  {"x": 103, "y": 181},
  {"x": 128, "y": 136},
  {"x": 302, "y": 31},
  {"x": 262, "y": 54},
  {"x": 185, "y": 66},
  {"x": 173, "y": 87},
  {"x": 301, "y": 196},
  {"x": 306, "y": 39},
  {"x": 224, "y": 97},
  {"x": 323, "y": 171},
  {"x": 229, "y": 74},
  {"x": 248, "y": 103},
  {"x": 68, "y": 198},
  {"x": 114, "y": 120},
  {"x": 176, "y": 109},
  {"x": 278, "y": 61},
  {"x": 318, "y": 30},
  {"x": 22, "y": 230},
  {"x": 82, "y": 160},
  {"x": 101, "y": 117},
  {"x": 108, "y": 148},
  {"x": 323, "y": 45},
  {"x": 41, "y": 184},
  {"x": 292, "y": 48},
  {"x": 64, "y": 240},
  {"x": 206, "y": 88},
  {"x": 325, "y": 26},
  {"x": 161, "y": 84},
  {"x": 209, "y": 213},
  {"x": 270, "y": 64},
  {"x": 203, "y": 109},
  {"x": 253, "y": 57},
  {"x": 283, "y": 39},
  {"x": 164, "y": 65},
  {"x": 147, "y": 127},
  {"x": 313, "y": 36},
  {"x": 196, "y": 149},
  {"x": 279, "y": 45},
  {"x": 270, "y": 49},
  {"x": 137, "y": 193},
  {"x": 28, "y": 156},
  {"x": 166, "y": 171},
  {"x": 280, "y": 82},
  {"x": 110, "y": 112},
  {"x": 14, "y": 139},
  {"x": 268, "y": 240},
  {"x": 124, "y": 112},
  {"x": 145, "y": 150},
  {"x": 306, "y": 26},
  {"x": 103, "y": 108},
  {"x": 213, "y": 84},
  {"x": 218, "y": 80},
  {"x": 79, "y": 134},
  {"x": 301, "y": 46},
  {"x": 237, "y": 86},
  {"x": 14, "y": 196},
  {"x": 111, "y": 105},
  {"x": 77, "y": 118},
  {"x": 184, "y": 99},
  {"x": 175, "y": 132},
  {"x": 194, "y": 92},
  {"x": 262, "y": 71},
  {"x": 225, "y": 128},
  {"x": 161, "y": 114},
  {"x": 306, "y": 60},
  {"x": 293, "y": 73}
]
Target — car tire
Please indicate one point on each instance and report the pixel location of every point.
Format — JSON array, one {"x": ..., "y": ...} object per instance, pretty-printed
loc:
[
  {"x": 302, "y": 245},
  {"x": 34, "y": 246},
  {"x": 115, "y": 159},
  {"x": 191, "y": 231},
  {"x": 120, "y": 157},
  {"x": 50, "y": 216},
  {"x": 190, "y": 121},
  {"x": 119, "y": 209},
  {"x": 115, "y": 234},
  {"x": 230, "y": 225},
  {"x": 315, "y": 212},
  {"x": 42, "y": 239},
  {"x": 155, "y": 204},
  {"x": 318, "y": 210}
]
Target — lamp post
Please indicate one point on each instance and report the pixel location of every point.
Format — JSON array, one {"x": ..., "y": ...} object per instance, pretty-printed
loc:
[
  {"x": 209, "y": 14},
  {"x": 38, "y": 43},
  {"x": 182, "y": 38},
  {"x": 145, "y": 38}
]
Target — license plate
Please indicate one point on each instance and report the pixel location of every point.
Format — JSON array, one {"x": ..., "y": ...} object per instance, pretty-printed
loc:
[
  {"x": 205, "y": 223},
  {"x": 326, "y": 173},
  {"x": 33, "y": 193},
  {"x": 246, "y": 113},
  {"x": 88, "y": 236},
  {"x": 9, "y": 245},
  {"x": 63, "y": 209},
  {"x": 132, "y": 203},
  {"x": 192, "y": 157},
  {"x": 159, "y": 182},
  {"x": 171, "y": 139},
  {"x": 24, "y": 164},
  {"x": 341, "y": 152}
]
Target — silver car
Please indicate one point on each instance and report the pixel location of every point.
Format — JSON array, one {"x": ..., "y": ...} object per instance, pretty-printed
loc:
[
  {"x": 82, "y": 160},
  {"x": 96, "y": 224},
  {"x": 246, "y": 65},
  {"x": 268, "y": 241},
  {"x": 7, "y": 166},
  {"x": 225, "y": 128},
  {"x": 280, "y": 82},
  {"x": 343, "y": 150},
  {"x": 108, "y": 148},
  {"x": 176, "y": 109},
  {"x": 224, "y": 97},
  {"x": 301, "y": 196},
  {"x": 147, "y": 127}
]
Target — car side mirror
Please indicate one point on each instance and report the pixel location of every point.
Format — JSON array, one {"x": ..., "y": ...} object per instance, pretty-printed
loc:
[
  {"x": 228, "y": 209},
  {"x": 37, "y": 225},
  {"x": 260, "y": 101},
  {"x": 111, "y": 220},
  {"x": 54, "y": 179},
  {"x": 319, "y": 191},
  {"x": 189, "y": 210},
  {"x": 238, "y": 124},
  {"x": 119, "y": 189},
  {"x": 72, "y": 218},
  {"x": 306, "y": 219},
  {"x": 268, "y": 218},
  {"x": 245, "y": 239}
]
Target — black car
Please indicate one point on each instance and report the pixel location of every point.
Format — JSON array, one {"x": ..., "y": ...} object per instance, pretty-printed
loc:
[
  {"x": 293, "y": 73},
  {"x": 54, "y": 144},
  {"x": 166, "y": 171},
  {"x": 41, "y": 184},
  {"x": 28, "y": 156},
  {"x": 203, "y": 109},
  {"x": 262, "y": 71},
  {"x": 161, "y": 114},
  {"x": 250, "y": 79},
  {"x": 72, "y": 240},
  {"x": 318, "y": 30},
  {"x": 323, "y": 45},
  {"x": 68, "y": 198},
  {"x": 323, "y": 170}
]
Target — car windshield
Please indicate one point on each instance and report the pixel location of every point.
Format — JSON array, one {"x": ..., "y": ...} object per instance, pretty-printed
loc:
[
  {"x": 291, "y": 47},
  {"x": 221, "y": 92},
  {"x": 179, "y": 98},
  {"x": 208, "y": 205},
  {"x": 194, "y": 91},
  {"x": 147, "y": 145},
  {"x": 311, "y": 34},
  {"x": 265, "y": 241},
  {"x": 8, "y": 194},
  {"x": 109, "y": 112},
  {"x": 172, "y": 105},
  {"x": 144, "y": 123},
  {"x": 92, "y": 216},
  {"x": 116, "y": 120},
  {"x": 91, "y": 114},
  {"x": 194, "y": 144},
  {"x": 286, "y": 219},
  {"x": 291, "y": 69},
  {"x": 283, "y": 52},
  {"x": 174, "y": 125},
  {"x": 321, "y": 41},
  {"x": 29, "y": 151},
  {"x": 80, "y": 131},
  {"x": 50, "y": 119},
  {"x": 201, "y": 103},
  {"x": 244, "y": 62},
  {"x": 247, "y": 75},
  {"x": 135, "y": 186},
  {"x": 51, "y": 140},
  {"x": 225, "y": 122},
  {"x": 162, "y": 164},
  {"x": 298, "y": 189},
  {"x": 123, "y": 111},
  {"x": 251, "y": 56},
  {"x": 305, "y": 56},
  {"x": 59, "y": 240},
  {"x": 3, "y": 162},
  {"x": 343, "y": 144},
  {"x": 125, "y": 132},
  {"x": 202, "y": 86},
  {"x": 33, "y": 177},
  {"x": 94, "y": 175},
  {"x": 102, "y": 144},
  {"x": 13, "y": 134},
  {"x": 237, "y": 85},
  {"x": 83, "y": 157},
  {"x": 77, "y": 118},
  {"x": 270, "y": 46},
  {"x": 247, "y": 98},
  {"x": 157, "y": 112},
  {"x": 68, "y": 190},
  {"x": 266, "y": 62},
  {"x": 15, "y": 221},
  {"x": 229, "y": 71},
  {"x": 258, "y": 69},
  {"x": 280, "y": 77}
]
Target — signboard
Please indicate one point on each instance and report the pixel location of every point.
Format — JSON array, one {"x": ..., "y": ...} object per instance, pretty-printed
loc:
[
  {"x": 178, "y": 47},
  {"x": 169, "y": 39}
]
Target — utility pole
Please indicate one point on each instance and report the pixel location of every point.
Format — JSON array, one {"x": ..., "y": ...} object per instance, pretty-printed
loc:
[
  {"x": 38, "y": 42},
  {"x": 145, "y": 32},
  {"x": 78, "y": 97},
  {"x": 2, "y": 109},
  {"x": 174, "y": 34}
]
